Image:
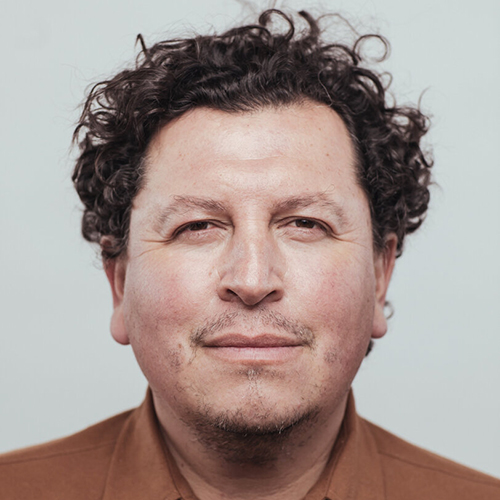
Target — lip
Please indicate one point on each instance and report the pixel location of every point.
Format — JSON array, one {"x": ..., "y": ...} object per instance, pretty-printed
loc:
[
  {"x": 237, "y": 340},
  {"x": 261, "y": 349}
]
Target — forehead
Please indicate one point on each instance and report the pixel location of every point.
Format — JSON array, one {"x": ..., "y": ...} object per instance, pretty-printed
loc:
[
  {"x": 254, "y": 135},
  {"x": 301, "y": 147}
]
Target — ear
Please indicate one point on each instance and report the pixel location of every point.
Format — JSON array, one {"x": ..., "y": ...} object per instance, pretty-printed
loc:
[
  {"x": 384, "y": 265},
  {"x": 115, "y": 271}
]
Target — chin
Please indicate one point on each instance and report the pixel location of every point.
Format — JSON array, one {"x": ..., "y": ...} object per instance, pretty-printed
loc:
[{"x": 254, "y": 434}]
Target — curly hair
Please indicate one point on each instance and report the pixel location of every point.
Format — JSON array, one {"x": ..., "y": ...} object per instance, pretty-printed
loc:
[{"x": 243, "y": 69}]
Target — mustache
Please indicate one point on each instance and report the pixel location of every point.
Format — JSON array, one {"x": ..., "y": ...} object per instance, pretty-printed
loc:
[{"x": 258, "y": 319}]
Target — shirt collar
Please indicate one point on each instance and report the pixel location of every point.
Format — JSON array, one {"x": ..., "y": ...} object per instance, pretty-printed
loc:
[
  {"x": 139, "y": 467},
  {"x": 355, "y": 470},
  {"x": 142, "y": 467}
]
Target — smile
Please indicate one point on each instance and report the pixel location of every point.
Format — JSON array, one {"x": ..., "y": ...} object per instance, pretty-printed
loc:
[{"x": 260, "y": 349}]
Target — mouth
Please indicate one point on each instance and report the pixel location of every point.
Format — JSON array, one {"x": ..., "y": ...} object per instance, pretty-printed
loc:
[
  {"x": 259, "y": 341},
  {"x": 259, "y": 349}
]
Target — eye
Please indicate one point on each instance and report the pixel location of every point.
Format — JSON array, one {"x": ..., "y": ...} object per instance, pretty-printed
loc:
[
  {"x": 306, "y": 223},
  {"x": 195, "y": 230},
  {"x": 196, "y": 226},
  {"x": 306, "y": 229}
]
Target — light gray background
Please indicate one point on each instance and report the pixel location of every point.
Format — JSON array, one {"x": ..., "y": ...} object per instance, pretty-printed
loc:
[{"x": 434, "y": 379}]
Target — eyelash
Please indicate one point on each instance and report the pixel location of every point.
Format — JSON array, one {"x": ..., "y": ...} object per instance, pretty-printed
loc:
[
  {"x": 187, "y": 227},
  {"x": 197, "y": 223},
  {"x": 313, "y": 221}
]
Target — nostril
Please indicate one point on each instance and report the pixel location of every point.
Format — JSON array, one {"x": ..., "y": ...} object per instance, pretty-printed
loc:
[
  {"x": 250, "y": 271},
  {"x": 250, "y": 296}
]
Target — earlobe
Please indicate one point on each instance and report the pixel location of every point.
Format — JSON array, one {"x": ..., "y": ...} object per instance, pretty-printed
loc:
[
  {"x": 384, "y": 265},
  {"x": 115, "y": 271},
  {"x": 117, "y": 326}
]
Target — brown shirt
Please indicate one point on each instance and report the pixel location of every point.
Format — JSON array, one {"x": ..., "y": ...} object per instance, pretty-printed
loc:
[{"x": 123, "y": 458}]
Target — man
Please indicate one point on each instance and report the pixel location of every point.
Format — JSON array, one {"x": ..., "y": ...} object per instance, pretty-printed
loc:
[{"x": 250, "y": 193}]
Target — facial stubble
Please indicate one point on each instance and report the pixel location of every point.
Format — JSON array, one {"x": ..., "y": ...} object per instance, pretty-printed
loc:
[
  {"x": 258, "y": 441},
  {"x": 261, "y": 439}
]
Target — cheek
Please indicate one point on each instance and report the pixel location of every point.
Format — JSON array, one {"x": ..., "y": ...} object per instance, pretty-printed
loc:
[
  {"x": 337, "y": 286},
  {"x": 165, "y": 291},
  {"x": 338, "y": 302},
  {"x": 160, "y": 306}
]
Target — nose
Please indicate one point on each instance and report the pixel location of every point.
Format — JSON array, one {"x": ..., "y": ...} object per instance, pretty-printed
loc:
[{"x": 251, "y": 270}]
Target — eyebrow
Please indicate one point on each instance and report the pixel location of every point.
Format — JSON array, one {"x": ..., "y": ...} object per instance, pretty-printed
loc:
[{"x": 184, "y": 203}]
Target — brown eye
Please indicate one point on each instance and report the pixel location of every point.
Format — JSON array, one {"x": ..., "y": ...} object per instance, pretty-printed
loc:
[
  {"x": 305, "y": 223},
  {"x": 197, "y": 226}
]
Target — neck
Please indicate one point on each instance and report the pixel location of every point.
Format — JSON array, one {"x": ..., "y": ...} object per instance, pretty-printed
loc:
[{"x": 273, "y": 464}]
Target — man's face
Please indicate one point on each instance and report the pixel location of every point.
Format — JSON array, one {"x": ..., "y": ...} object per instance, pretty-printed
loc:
[{"x": 250, "y": 289}]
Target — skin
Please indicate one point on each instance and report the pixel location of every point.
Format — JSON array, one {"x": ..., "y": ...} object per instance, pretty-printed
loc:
[{"x": 250, "y": 291}]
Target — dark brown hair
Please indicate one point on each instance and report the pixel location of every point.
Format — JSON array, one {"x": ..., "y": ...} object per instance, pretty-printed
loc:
[{"x": 247, "y": 68}]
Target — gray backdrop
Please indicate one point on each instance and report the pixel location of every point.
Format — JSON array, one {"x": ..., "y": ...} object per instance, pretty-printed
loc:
[{"x": 434, "y": 379}]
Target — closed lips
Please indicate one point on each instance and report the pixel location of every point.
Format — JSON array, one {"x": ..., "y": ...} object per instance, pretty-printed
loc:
[{"x": 266, "y": 340}]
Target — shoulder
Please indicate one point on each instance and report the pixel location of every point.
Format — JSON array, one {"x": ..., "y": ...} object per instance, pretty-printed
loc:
[
  {"x": 73, "y": 467},
  {"x": 412, "y": 472}
]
